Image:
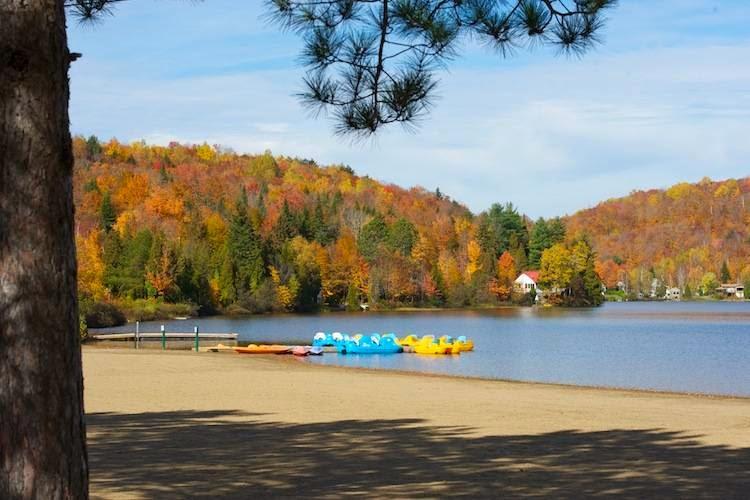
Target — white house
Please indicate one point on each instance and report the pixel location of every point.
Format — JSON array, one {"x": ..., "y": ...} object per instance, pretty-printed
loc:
[
  {"x": 527, "y": 281},
  {"x": 673, "y": 293},
  {"x": 735, "y": 290}
]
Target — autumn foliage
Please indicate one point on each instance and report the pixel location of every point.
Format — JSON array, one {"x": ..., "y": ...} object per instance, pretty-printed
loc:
[
  {"x": 681, "y": 236},
  {"x": 227, "y": 232}
]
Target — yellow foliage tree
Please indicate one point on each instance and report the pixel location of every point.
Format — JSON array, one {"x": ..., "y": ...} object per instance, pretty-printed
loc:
[
  {"x": 474, "y": 253},
  {"x": 205, "y": 152},
  {"x": 556, "y": 270},
  {"x": 449, "y": 269},
  {"x": 728, "y": 189},
  {"x": 286, "y": 293},
  {"x": 91, "y": 265}
]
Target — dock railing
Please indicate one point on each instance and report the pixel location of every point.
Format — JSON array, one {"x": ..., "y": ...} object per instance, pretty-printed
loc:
[{"x": 195, "y": 337}]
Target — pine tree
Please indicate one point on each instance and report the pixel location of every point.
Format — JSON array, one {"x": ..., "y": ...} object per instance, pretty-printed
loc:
[
  {"x": 371, "y": 236},
  {"x": 287, "y": 225},
  {"x": 244, "y": 251},
  {"x": 107, "y": 214},
  {"x": 402, "y": 235},
  {"x": 539, "y": 241},
  {"x": 544, "y": 234},
  {"x": 93, "y": 148},
  {"x": 502, "y": 228}
]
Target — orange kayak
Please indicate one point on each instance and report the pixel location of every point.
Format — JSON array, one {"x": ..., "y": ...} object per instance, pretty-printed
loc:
[{"x": 263, "y": 349}]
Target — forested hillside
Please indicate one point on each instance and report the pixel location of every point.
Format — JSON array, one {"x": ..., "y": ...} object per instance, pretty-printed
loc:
[
  {"x": 199, "y": 225},
  {"x": 691, "y": 236}
]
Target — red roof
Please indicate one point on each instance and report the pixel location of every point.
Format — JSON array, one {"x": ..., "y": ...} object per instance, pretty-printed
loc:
[{"x": 534, "y": 275}]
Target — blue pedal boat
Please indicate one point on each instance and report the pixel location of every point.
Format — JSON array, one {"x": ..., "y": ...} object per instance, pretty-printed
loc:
[{"x": 370, "y": 345}]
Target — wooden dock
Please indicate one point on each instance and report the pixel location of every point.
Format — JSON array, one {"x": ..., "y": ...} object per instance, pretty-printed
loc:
[
  {"x": 174, "y": 340},
  {"x": 169, "y": 335}
]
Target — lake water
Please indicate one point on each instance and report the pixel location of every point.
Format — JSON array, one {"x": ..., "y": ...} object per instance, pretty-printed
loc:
[{"x": 683, "y": 346}]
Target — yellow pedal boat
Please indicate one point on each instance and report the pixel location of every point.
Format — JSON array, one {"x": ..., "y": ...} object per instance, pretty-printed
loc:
[
  {"x": 428, "y": 345},
  {"x": 409, "y": 340},
  {"x": 460, "y": 344}
]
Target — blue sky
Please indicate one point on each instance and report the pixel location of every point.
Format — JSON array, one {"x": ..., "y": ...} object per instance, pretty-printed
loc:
[{"x": 665, "y": 99}]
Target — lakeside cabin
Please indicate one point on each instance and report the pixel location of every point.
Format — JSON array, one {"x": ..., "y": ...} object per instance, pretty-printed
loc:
[
  {"x": 528, "y": 281},
  {"x": 732, "y": 290}
]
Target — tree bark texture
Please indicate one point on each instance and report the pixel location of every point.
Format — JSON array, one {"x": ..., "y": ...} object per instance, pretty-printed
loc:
[{"x": 42, "y": 428}]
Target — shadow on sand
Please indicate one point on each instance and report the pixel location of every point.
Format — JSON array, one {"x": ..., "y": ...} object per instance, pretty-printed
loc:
[{"x": 234, "y": 454}]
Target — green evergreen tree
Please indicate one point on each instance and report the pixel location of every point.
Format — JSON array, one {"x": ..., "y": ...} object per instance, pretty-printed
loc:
[
  {"x": 287, "y": 225},
  {"x": 688, "y": 293},
  {"x": 244, "y": 251},
  {"x": 371, "y": 236},
  {"x": 539, "y": 241},
  {"x": 544, "y": 234},
  {"x": 498, "y": 225},
  {"x": 93, "y": 148},
  {"x": 107, "y": 214},
  {"x": 321, "y": 230},
  {"x": 227, "y": 279},
  {"x": 557, "y": 231},
  {"x": 402, "y": 235}
]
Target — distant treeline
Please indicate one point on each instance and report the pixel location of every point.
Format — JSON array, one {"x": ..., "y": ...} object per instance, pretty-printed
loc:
[
  {"x": 203, "y": 226},
  {"x": 690, "y": 236}
]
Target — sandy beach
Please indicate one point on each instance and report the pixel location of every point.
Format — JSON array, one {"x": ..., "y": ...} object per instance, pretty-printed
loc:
[{"x": 181, "y": 424}]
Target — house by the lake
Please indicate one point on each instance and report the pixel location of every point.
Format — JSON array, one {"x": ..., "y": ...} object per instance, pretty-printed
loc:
[
  {"x": 673, "y": 293},
  {"x": 732, "y": 290},
  {"x": 527, "y": 281}
]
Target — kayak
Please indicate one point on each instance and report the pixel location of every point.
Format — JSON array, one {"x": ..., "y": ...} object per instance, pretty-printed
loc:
[
  {"x": 263, "y": 349},
  {"x": 300, "y": 350},
  {"x": 306, "y": 350}
]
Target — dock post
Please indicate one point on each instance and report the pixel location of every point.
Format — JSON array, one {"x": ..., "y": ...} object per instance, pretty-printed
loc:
[
  {"x": 197, "y": 341},
  {"x": 163, "y": 338},
  {"x": 137, "y": 332}
]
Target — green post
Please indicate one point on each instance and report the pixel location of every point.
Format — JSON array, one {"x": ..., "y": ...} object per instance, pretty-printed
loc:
[
  {"x": 163, "y": 338},
  {"x": 137, "y": 333},
  {"x": 197, "y": 342}
]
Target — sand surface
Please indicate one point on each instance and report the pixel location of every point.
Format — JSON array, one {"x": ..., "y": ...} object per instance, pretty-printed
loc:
[{"x": 181, "y": 424}]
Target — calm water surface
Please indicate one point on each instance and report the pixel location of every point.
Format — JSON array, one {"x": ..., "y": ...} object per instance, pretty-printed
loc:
[{"x": 684, "y": 347}]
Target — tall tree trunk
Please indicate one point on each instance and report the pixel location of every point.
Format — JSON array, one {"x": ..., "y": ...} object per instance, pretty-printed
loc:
[{"x": 42, "y": 431}]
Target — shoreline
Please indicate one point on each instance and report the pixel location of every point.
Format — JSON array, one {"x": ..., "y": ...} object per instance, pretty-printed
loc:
[
  {"x": 290, "y": 359},
  {"x": 178, "y": 423},
  {"x": 563, "y": 385}
]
